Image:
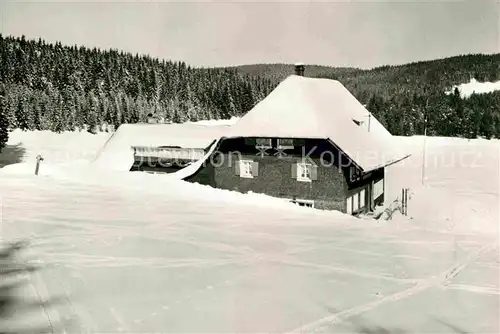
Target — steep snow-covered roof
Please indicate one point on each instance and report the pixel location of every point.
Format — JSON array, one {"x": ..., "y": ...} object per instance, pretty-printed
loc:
[
  {"x": 301, "y": 107},
  {"x": 117, "y": 152}
]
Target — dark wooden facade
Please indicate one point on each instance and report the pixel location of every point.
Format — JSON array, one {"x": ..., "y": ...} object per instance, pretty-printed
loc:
[
  {"x": 333, "y": 177},
  {"x": 153, "y": 164}
]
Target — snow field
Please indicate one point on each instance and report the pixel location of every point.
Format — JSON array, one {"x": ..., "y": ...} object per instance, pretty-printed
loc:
[
  {"x": 475, "y": 87},
  {"x": 135, "y": 252}
]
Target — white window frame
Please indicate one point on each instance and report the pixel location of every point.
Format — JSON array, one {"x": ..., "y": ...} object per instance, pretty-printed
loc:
[
  {"x": 307, "y": 202},
  {"x": 307, "y": 167},
  {"x": 246, "y": 167},
  {"x": 349, "y": 205},
  {"x": 283, "y": 147},
  {"x": 268, "y": 143},
  {"x": 378, "y": 189},
  {"x": 355, "y": 202},
  {"x": 362, "y": 198}
]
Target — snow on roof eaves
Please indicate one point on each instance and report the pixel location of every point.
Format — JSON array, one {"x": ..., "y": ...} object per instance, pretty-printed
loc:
[
  {"x": 117, "y": 152},
  {"x": 181, "y": 135},
  {"x": 301, "y": 107}
]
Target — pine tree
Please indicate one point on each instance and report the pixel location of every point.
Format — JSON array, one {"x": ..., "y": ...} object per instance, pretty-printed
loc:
[
  {"x": 458, "y": 113},
  {"x": 56, "y": 115},
  {"x": 35, "y": 74},
  {"x": 487, "y": 125},
  {"x": 37, "y": 120},
  {"x": 229, "y": 106},
  {"x": 22, "y": 115},
  {"x": 4, "y": 124},
  {"x": 116, "y": 113},
  {"x": 92, "y": 108}
]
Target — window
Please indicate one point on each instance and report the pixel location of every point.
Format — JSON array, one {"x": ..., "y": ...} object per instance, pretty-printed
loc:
[
  {"x": 378, "y": 189},
  {"x": 304, "y": 172},
  {"x": 355, "y": 202},
  {"x": 349, "y": 205},
  {"x": 362, "y": 197},
  {"x": 285, "y": 143},
  {"x": 247, "y": 168},
  {"x": 263, "y": 142}
]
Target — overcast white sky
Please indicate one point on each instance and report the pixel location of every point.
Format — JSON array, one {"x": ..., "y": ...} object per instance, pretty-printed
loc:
[{"x": 211, "y": 33}]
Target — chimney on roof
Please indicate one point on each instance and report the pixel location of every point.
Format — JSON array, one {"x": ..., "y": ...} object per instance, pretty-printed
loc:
[{"x": 299, "y": 69}]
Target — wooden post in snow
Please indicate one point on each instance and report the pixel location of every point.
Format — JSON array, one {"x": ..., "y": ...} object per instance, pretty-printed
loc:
[
  {"x": 404, "y": 201},
  {"x": 38, "y": 159}
]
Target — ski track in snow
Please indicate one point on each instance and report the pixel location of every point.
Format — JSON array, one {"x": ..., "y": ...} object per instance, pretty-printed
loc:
[{"x": 319, "y": 325}]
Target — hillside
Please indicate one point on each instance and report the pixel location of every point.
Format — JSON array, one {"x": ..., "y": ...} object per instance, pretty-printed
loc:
[
  {"x": 278, "y": 72},
  {"x": 410, "y": 99},
  {"x": 440, "y": 74},
  {"x": 54, "y": 87}
]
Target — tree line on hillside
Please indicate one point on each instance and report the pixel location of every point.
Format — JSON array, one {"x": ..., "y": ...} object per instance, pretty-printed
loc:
[
  {"x": 412, "y": 97},
  {"x": 440, "y": 74},
  {"x": 46, "y": 86},
  {"x": 439, "y": 114},
  {"x": 54, "y": 87}
]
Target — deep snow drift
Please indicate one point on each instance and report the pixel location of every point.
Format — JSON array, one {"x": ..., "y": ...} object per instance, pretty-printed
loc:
[{"x": 134, "y": 252}]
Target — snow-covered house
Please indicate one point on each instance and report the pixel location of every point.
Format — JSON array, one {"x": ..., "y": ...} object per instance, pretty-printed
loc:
[
  {"x": 158, "y": 148},
  {"x": 309, "y": 141}
]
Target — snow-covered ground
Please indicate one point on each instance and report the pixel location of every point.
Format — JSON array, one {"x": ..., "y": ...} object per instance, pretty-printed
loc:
[
  {"x": 134, "y": 252},
  {"x": 475, "y": 87}
]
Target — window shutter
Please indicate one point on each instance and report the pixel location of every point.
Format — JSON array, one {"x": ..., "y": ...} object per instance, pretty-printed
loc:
[
  {"x": 255, "y": 168},
  {"x": 314, "y": 172},
  {"x": 294, "y": 171},
  {"x": 237, "y": 168}
]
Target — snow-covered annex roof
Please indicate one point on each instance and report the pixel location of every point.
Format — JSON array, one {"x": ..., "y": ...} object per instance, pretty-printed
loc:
[
  {"x": 117, "y": 152},
  {"x": 181, "y": 135},
  {"x": 301, "y": 107}
]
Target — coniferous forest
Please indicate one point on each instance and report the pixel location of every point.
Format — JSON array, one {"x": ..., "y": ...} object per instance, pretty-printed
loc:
[
  {"x": 46, "y": 86},
  {"x": 410, "y": 99},
  {"x": 58, "y": 88}
]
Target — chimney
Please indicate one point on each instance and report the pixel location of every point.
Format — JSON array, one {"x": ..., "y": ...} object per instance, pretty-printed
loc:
[{"x": 299, "y": 69}]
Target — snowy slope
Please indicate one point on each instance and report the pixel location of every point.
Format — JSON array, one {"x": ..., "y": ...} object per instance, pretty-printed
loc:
[
  {"x": 133, "y": 252},
  {"x": 75, "y": 147},
  {"x": 474, "y": 86},
  {"x": 459, "y": 187}
]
